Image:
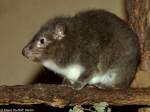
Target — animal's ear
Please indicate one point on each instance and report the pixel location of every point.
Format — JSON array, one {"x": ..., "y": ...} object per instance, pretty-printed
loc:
[{"x": 59, "y": 31}]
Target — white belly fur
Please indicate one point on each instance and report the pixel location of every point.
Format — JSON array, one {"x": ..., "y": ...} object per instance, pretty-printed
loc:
[
  {"x": 74, "y": 71},
  {"x": 71, "y": 72},
  {"x": 105, "y": 79}
]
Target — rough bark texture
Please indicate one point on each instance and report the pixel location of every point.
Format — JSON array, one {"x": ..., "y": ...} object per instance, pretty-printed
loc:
[
  {"x": 138, "y": 12},
  {"x": 60, "y": 96}
]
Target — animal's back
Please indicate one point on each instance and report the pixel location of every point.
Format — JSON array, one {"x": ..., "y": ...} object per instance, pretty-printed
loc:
[{"x": 110, "y": 43}]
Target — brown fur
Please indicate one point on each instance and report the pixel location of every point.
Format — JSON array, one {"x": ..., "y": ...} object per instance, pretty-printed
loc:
[{"x": 96, "y": 39}]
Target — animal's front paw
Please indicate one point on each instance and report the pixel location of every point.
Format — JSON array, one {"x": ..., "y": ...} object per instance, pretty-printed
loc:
[
  {"x": 78, "y": 85},
  {"x": 66, "y": 82}
]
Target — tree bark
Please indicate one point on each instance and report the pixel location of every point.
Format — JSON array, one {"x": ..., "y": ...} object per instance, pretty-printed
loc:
[
  {"x": 60, "y": 95},
  {"x": 138, "y": 12},
  {"x": 138, "y": 16}
]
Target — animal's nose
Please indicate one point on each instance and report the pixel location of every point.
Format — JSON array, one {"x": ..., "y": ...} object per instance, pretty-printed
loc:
[{"x": 24, "y": 50}]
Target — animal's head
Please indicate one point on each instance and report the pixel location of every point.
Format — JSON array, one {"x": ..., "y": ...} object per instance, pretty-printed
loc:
[{"x": 46, "y": 42}]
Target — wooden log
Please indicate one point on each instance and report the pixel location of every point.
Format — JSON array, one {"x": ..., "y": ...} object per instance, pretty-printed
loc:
[{"x": 60, "y": 95}]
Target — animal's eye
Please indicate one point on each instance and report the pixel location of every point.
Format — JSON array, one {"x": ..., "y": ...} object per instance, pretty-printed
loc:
[{"x": 42, "y": 42}]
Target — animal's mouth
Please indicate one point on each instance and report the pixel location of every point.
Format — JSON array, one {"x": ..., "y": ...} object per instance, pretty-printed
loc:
[{"x": 34, "y": 56}]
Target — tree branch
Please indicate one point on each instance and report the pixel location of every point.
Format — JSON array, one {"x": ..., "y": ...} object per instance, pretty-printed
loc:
[{"x": 60, "y": 95}]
